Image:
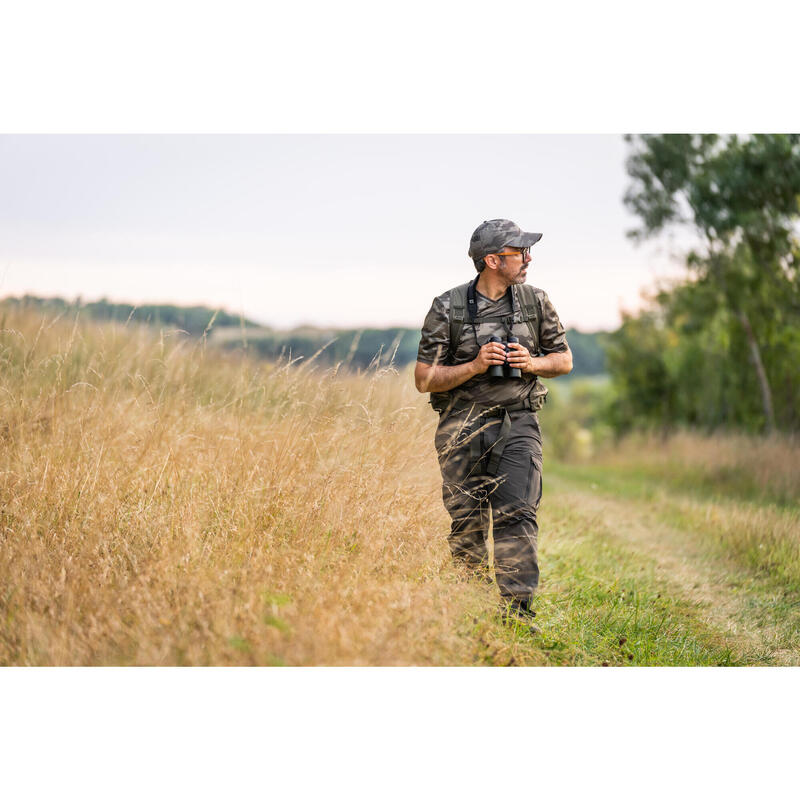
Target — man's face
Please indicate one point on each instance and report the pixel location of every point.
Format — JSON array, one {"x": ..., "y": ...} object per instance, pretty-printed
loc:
[{"x": 514, "y": 264}]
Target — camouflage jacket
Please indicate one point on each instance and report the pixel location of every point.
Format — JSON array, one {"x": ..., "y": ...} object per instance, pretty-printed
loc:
[{"x": 501, "y": 318}]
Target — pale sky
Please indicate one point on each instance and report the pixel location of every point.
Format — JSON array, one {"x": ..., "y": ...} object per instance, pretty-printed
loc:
[{"x": 340, "y": 230}]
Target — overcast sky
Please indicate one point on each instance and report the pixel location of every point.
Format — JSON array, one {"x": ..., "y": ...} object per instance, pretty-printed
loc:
[{"x": 328, "y": 229}]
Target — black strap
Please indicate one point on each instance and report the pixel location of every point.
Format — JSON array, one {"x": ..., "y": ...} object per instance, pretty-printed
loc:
[
  {"x": 464, "y": 306},
  {"x": 476, "y": 448},
  {"x": 529, "y": 307},
  {"x": 499, "y": 445},
  {"x": 472, "y": 300},
  {"x": 495, "y": 451},
  {"x": 458, "y": 301},
  {"x": 506, "y": 319}
]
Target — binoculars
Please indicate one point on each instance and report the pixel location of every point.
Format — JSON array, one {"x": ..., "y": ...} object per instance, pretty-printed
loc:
[{"x": 503, "y": 370}]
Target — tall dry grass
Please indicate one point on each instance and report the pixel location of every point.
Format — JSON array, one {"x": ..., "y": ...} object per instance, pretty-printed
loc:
[
  {"x": 748, "y": 466},
  {"x": 165, "y": 504}
]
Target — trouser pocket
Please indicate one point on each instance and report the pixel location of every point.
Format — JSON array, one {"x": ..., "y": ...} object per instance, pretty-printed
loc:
[{"x": 534, "y": 483}]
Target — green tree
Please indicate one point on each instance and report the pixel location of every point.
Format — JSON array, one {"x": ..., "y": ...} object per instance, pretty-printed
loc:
[
  {"x": 638, "y": 357},
  {"x": 740, "y": 197}
]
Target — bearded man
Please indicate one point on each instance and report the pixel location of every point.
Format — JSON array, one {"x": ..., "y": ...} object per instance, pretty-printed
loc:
[{"x": 484, "y": 346}]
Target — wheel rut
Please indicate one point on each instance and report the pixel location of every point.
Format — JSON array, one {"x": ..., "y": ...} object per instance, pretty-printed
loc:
[{"x": 720, "y": 588}]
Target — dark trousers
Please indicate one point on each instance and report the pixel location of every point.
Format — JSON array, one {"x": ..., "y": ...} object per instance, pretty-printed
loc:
[{"x": 475, "y": 485}]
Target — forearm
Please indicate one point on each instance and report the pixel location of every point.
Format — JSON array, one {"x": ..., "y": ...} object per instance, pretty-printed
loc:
[
  {"x": 441, "y": 378},
  {"x": 552, "y": 365}
]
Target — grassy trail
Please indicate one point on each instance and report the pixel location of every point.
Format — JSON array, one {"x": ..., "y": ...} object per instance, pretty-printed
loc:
[{"x": 636, "y": 574}]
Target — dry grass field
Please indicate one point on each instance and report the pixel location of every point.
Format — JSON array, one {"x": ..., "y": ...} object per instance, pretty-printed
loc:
[{"x": 165, "y": 504}]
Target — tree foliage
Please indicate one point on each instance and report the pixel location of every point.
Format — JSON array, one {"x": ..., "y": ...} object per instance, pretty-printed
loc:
[{"x": 723, "y": 347}]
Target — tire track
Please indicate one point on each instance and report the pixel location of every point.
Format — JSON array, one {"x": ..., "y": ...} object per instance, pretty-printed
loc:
[{"x": 746, "y": 617}]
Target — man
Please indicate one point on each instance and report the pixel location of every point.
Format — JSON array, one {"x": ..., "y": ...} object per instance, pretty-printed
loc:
[{"x": 488, "y": 439}]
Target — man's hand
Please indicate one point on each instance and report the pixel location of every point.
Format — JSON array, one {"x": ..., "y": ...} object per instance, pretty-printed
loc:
[
  {"x": 520, "y": 357},
  {"x": 549, "y": 366},
  {"x": 491, "y": 353}
]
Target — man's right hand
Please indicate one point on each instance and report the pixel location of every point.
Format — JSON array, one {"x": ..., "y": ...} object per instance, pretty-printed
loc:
[{"x": 491, "y": 353}]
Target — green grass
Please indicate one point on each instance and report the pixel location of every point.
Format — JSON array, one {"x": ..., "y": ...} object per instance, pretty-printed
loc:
[
  {"x": 764, "y": 537},
  {"x": 602, "y": 602},
  {"x": 605, "y": 600}
]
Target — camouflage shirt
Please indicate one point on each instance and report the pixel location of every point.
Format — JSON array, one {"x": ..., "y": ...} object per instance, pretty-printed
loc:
[{"x": 501, "y": 318}]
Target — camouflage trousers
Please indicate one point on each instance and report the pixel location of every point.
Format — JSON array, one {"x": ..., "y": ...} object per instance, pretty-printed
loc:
[{"x": 492, "y": 465}]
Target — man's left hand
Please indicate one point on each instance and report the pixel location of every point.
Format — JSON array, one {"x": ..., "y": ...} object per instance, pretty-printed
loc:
[{"x": 519, "y": 356}]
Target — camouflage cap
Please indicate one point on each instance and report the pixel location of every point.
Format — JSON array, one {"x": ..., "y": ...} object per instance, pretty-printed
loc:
[{"x": 493, "y": 235}]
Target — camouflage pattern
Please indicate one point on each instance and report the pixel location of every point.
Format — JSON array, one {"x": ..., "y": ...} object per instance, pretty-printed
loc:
[
  {"x": 512, "y": 497},
  {"x": 470, "y": 434},
  {"x": 493, "y": 235},
  {"x": 493, "y": 318}
]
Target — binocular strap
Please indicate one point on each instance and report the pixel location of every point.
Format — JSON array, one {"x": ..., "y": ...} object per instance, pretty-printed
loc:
[{"x": 496, "y": 450}]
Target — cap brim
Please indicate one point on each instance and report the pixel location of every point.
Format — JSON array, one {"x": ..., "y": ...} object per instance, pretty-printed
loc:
[{"x": 524, "y": 240}]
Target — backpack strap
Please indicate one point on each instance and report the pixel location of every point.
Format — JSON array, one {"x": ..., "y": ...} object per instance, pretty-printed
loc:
[
  {"x": 457, "y": 316},
  {"x": 531, "y": 313}
]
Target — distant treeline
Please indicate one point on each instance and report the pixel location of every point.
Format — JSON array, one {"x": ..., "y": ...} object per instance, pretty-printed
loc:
[
  {"x": 361, "y": 348},
  {"x": 357, "y": 347},
  {"x": 192, "y": 319}
]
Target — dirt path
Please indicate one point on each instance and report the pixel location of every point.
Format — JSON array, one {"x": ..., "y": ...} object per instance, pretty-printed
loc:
[{"x": 734, "y": 603}]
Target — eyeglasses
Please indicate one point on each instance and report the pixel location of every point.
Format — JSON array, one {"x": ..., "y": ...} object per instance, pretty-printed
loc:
[{"x": 524, "y": 252}]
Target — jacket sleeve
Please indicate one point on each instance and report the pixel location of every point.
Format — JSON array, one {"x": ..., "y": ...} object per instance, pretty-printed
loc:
[
  {"x": 552, "y": 338},
  {"x": 435, "y": 334}
]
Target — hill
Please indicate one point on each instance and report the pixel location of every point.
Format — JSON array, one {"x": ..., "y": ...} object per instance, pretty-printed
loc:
[
  {"x": 356, "y": 347},
  {"x": 192, "y": 319},
  {"x": 360, "y": 348}
]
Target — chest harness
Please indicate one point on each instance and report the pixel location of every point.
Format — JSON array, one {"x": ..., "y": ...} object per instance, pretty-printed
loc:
[{"x": 464, "y": 307}]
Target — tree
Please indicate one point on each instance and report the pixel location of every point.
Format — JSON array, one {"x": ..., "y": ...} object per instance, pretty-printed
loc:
[{"x": 740, "y": 196}]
